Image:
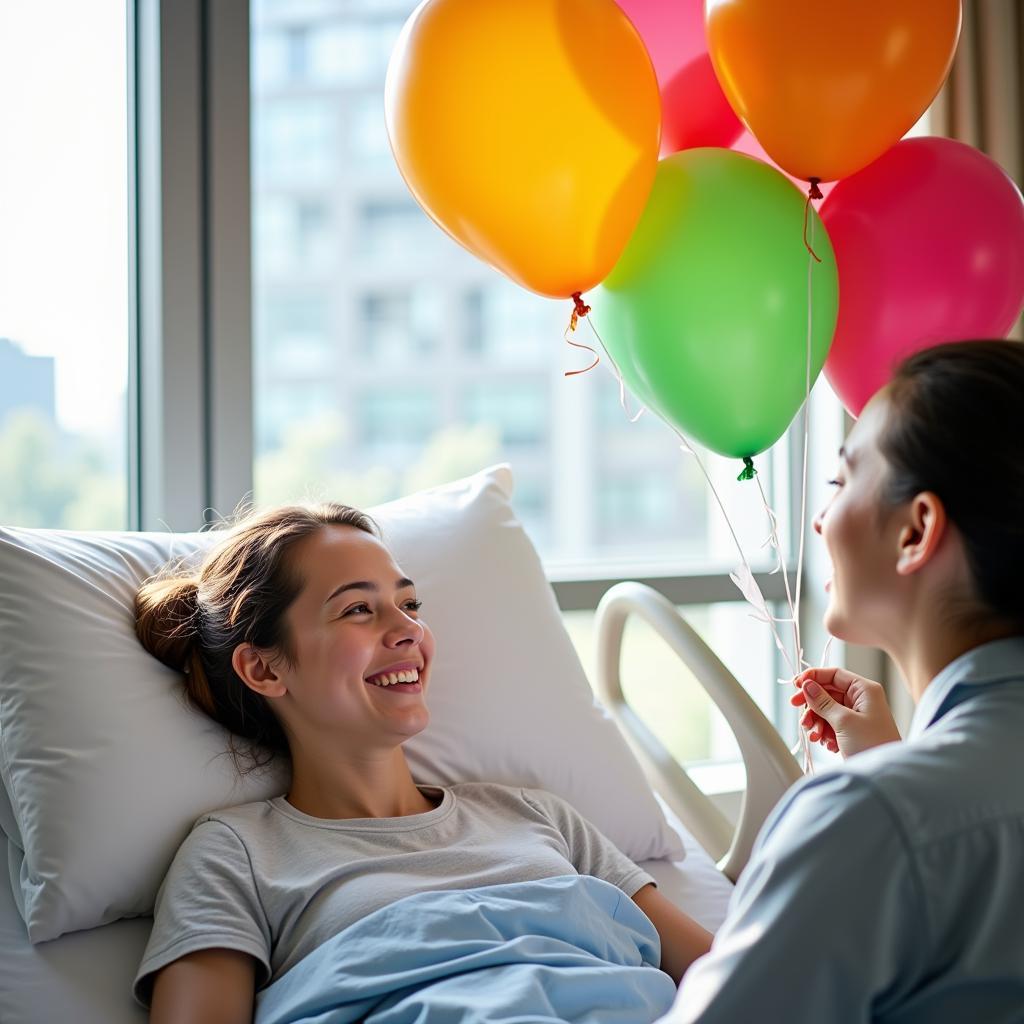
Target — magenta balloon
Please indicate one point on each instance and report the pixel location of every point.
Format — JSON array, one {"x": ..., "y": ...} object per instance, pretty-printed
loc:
[
  {"x": 694, "y": 110},
  {"x": 672, "y": 31},
  {"x": 929, "y": 243}
]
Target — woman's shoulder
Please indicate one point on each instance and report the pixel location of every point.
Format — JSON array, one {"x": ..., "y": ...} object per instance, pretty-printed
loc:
[
  {"x": 235, "y": 825},
  {"x": 911, "y": 792},
  {"x": 217, "y": 850}
]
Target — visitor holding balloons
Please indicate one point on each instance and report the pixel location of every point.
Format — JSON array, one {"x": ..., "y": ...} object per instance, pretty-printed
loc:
[{"x": 890, "y": 889}]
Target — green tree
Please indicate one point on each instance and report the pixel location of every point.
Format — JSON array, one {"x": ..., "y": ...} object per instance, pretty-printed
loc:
[
  {"x": 55, "y": 480},
  {"x": 454, "y": 452},
  {"x": 305, "y": 466}
]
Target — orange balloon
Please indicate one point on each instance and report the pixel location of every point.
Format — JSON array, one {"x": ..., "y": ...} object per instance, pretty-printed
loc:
[
  {"x": 528, "y": 130},
  {"x": 828, "y": 87}
]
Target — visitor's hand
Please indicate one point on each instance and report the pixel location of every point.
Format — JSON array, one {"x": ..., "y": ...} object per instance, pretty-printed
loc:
[{"x": 845, "y": 713}]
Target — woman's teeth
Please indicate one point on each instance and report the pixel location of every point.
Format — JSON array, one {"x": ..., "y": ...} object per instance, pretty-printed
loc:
[{"x": 390, "y": 678}]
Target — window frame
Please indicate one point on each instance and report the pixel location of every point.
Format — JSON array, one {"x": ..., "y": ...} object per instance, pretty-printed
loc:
[{"x": 192, "y": 310}]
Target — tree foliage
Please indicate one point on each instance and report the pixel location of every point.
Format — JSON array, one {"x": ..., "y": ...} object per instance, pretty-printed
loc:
[{"x": 50, "y": 479}]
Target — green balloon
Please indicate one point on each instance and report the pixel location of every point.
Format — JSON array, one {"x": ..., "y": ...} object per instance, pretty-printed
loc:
[{"x": 705, "y": 312}]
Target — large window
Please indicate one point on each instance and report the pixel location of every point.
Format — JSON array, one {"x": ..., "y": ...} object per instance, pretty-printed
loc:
[{"x": 63, "y": 263}]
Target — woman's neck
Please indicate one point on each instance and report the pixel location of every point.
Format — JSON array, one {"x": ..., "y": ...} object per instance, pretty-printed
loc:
[
  {"x": 927, "y": 648},
  {"x": 370, "y": 787}
]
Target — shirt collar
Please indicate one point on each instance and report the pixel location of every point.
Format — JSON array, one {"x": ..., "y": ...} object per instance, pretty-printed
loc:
[{"x": 988, "y": 663}]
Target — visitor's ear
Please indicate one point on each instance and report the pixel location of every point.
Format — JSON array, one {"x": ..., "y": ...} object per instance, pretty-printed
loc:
[
  {"x": 254, "y": 668},
  {"x": 921, "y": 534}
]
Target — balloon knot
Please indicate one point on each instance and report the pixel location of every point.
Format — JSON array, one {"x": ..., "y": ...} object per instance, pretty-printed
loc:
[
  {"x": 814, "y": 192},
  {"x": 748, "y": 469},
  {"x": 580, "y": 310}
]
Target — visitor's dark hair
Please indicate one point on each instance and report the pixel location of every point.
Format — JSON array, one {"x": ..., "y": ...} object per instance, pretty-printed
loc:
[
  {"x": 192, "y": 621},
  {"x": 956, "y": 428}
]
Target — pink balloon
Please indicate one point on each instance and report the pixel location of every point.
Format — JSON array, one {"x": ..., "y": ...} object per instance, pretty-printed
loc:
[
  {"x": 672, "y": 31},
  {"x": 694, "y": 109},
  {"x": 929, "y": 243}
]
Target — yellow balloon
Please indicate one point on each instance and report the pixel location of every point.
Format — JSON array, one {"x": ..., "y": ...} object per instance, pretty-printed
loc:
[{"x": 529, "y": 130}]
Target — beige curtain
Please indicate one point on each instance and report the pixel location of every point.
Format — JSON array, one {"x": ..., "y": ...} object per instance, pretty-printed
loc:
[{"x": 982, "y": 102}]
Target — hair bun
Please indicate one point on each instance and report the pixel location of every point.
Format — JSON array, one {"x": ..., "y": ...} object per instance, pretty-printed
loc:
[{"x": 166, "y": 614}]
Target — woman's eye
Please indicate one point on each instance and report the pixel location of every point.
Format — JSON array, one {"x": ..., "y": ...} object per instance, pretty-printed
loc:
[
  {"x": 413, "y": 605},
  {"x": 358, "y": 609},
  {"x": 835, "y": 483}
]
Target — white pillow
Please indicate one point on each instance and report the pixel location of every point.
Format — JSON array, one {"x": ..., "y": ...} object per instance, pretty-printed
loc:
[{"x": 106, "y": 767}]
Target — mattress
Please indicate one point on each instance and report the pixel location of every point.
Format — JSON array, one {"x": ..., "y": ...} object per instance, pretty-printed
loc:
[{"x": 86, "y": 977}]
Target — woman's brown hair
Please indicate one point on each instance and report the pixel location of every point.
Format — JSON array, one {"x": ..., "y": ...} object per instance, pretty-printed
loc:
[
  {"x": 956, "y": 428},
  {"x": 193, "y": 621}
]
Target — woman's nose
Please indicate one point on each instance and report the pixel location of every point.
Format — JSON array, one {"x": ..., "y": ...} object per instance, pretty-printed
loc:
[
  {"x": 404, "y": 630},
  {"x": 817, "y": 523}
]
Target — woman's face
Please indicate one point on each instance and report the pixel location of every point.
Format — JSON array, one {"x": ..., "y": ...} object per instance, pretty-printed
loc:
[
  {"x": 362, "y": 655},
  {"x": 861, "y": 539}
]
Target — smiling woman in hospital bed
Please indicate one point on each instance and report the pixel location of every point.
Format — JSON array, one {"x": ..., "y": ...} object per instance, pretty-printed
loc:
[
  {"x": 360, "y": 893},
  {"x": 892, "y": 889}
]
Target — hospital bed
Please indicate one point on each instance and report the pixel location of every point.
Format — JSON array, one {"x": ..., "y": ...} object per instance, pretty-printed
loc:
[{"x": 48, "y": 583}]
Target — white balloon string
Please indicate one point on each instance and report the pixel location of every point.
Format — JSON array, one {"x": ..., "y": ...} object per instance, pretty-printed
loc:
[
  {"x": 811, "y": 260},
  {"x": 773, "y": 540},
  {"x": 794, "y": 605},
  {"x": 807, "y": 431},
  {"x": 618, "y": 375},
  {"x": 745, "y": 580},
  {"x": 826, "y": 654}
]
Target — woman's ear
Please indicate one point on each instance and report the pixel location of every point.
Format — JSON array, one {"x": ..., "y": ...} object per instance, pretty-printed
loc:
[
  {"x": 921, "y": 535},
  {"x": 255, "y": 670}
]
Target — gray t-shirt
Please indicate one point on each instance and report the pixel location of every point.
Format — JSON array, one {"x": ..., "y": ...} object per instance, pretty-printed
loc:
[{"x": 266, "y": 879}]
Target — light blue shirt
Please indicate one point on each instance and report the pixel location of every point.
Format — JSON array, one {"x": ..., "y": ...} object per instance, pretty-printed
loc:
[{"x": 892, "y": 889}]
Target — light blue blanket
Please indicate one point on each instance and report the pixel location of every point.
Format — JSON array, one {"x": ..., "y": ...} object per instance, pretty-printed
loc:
[{"x": 572, "y": 948}]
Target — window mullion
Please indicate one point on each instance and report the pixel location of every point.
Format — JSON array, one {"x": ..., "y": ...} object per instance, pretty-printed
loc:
[
  {"x": 193, "y": 237},
  {"x": 170, "y": 358},
  {"x": 228, "y": 245}
]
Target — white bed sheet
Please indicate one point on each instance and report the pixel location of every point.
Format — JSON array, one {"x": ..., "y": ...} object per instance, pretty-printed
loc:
[
  {"x": 83, "y": 977},
  {"x": 86, "y": 977}
]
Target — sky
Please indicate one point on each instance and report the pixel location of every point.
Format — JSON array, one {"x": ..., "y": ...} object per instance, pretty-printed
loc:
[{"x": 63, "y": 199}]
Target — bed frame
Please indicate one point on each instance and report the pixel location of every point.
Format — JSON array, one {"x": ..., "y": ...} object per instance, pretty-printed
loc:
[{"x": 771, "y": 769}]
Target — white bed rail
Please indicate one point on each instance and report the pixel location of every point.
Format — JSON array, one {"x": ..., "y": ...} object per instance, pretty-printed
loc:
[{"x": 771, "y": 768}]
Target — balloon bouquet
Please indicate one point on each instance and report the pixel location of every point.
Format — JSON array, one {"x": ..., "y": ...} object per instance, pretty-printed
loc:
[{"x": 531, "y": 130}]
